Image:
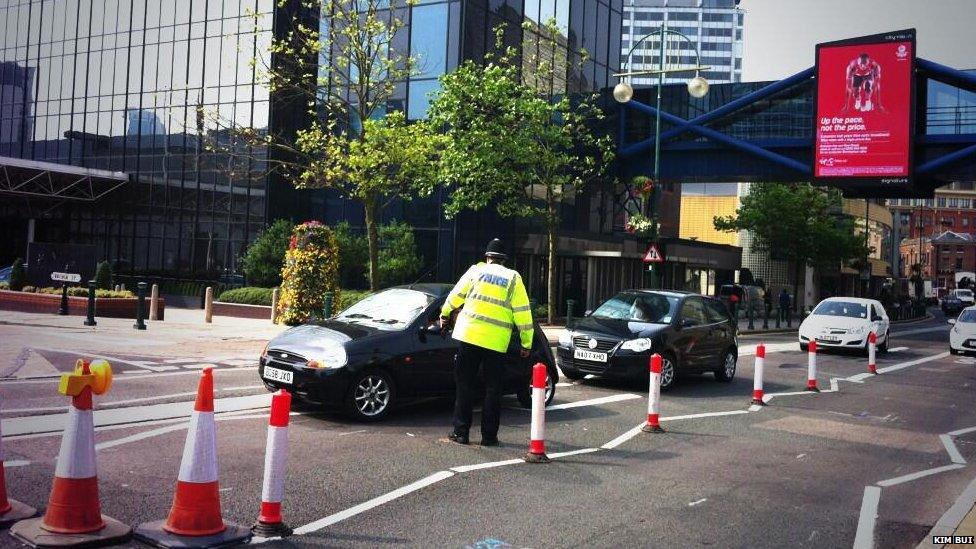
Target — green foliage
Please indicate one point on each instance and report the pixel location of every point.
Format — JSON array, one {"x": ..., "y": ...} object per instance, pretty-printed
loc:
[
  {"x": 540, "y": 311},
  {"x": 248, "y": 295},
  {"x": 18, "y": 275},
  {"x": 516, "y": 142},
  {"x": 4, "y": 285},
  {"x": 800, "y": 222},
  {"x": 353, "y": 256},
  {"x": 103, "y": 275},
  {"x": 311, "y": 269},
  {"x": 79, "y": 291},
  {"x": 264, "y": 257},
  {"x": 399, "y": 261}
]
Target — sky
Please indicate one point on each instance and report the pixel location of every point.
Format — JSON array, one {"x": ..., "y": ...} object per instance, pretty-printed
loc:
[{"x": 779, "y": 36}]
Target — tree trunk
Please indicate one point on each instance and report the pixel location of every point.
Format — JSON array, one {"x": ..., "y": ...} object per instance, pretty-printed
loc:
[
  {"x": 551, "y": 275},
  {"x": 372, "y": 237}
]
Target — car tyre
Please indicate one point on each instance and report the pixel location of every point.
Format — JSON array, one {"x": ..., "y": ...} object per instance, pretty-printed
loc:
[
  {"x": 953, "y": 351},
  {"x": 883, "y": 348},
  {"x": 371, "y": 395},
  {"x": 729, "y": 363},
  {"x": 669, "y": 371},
  {"x": 552, "y": 377},
  {"x": 803, "y": 347}
]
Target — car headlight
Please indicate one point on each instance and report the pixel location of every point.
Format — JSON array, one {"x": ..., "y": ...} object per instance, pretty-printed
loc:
[
  {"x": 333, "y": 358},
  {"x": 638, "y": 345},
  {"x": 565, "y": 338}
]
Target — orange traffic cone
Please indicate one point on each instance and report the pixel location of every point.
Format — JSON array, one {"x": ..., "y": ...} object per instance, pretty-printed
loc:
[
  {"x": 11, "y": 510},
  {"x": 194, "y": 520},
  {"x": 73, "y": 516}
]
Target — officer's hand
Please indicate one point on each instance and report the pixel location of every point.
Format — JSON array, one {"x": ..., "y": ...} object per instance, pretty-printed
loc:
[{"x": 524, "y": 353}]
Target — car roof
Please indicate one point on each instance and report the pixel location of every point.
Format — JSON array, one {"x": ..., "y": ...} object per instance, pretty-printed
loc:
[
  {"x": 436, "y": 289},
  {"x": 861, "y": 300},
  {"x": 672, "y": 293}
]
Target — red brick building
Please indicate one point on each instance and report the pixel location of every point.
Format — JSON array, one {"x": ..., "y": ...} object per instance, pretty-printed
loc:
[{"x": 941, "y": 256}]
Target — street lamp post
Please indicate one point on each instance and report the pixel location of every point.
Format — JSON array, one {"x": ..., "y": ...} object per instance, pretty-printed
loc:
[{"x": 624, "y": 92}]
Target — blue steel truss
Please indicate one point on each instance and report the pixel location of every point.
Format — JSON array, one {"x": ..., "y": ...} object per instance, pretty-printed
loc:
[{"x": 934, "y": 152}]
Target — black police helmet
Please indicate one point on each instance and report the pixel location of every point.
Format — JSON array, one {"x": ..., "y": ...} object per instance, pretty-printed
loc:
[{"x": 496, "y": 250}]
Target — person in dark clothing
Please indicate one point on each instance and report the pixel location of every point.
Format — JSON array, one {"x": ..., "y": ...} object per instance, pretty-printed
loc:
[
  {"x": 784, "y": 304},
  {"x": 768, "y": 302}
]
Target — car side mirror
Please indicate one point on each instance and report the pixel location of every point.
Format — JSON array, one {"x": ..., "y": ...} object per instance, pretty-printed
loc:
[
  {"x": 687, "y": 323},
  {"x": 588, "y": 312},
  {"x": 952, "y": 321}
]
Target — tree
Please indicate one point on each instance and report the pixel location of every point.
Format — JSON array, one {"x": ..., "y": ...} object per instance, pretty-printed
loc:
[
  {"x": 343, "y": 75},
  {"x": 264, "y": 257},
  {"x": 398, "y": 259},
  {"x": 103, "y": 276},
  {"x": 515, "y": 145},
  {"x": 18, "y": 275},
  {"x": 799, "y": 222}
]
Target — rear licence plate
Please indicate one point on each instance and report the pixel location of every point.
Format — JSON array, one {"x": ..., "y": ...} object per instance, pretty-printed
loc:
[
  {"x": 274, "y": 374},
  {"x": 589, "y": 355}
]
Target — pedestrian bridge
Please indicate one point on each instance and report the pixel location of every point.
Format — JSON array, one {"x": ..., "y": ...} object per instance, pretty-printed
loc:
[{"x": 763, "y": 131}]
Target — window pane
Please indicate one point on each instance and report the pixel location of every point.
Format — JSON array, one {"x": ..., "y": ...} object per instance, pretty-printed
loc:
[{"x": 428, "y": 39}]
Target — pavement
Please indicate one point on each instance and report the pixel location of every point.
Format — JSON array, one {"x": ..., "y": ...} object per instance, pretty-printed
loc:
[{"x": 871, "y": 461}]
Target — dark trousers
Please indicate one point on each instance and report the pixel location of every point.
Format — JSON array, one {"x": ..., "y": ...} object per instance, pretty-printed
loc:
[{"x": 470, "y": 359}]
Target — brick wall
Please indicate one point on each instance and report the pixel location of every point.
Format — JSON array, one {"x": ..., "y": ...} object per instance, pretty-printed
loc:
[
  {"x": 27, "y": 302},
  {"x": 239, "y": 310}
]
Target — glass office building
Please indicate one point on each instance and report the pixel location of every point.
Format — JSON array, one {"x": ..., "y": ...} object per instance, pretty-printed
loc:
[
  {"x": 135, "y": 90},
  {"x": 715, "y": 26}
]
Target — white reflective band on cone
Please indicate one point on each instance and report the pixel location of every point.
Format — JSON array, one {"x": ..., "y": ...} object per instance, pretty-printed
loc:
[
  {"x": 654, "y": 394},
  {"x": 871, "y": 353},
  {"x": 275, "y": 460},
  {"x": 757, "y": 378},
  {"x": 538, "y": 427},
  {"x": 811, "y": 366},
  {"x": 76, "y": 459},
  {"x": 199, "y": 462}
]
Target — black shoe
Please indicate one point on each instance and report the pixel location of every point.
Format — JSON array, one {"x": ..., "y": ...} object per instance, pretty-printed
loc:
[
  {"x": 458, "y": 439},
  {"x": 489, "y": 442}
]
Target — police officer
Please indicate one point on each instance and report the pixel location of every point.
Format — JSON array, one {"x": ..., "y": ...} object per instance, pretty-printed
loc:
[{"x": 494, "y": 300}]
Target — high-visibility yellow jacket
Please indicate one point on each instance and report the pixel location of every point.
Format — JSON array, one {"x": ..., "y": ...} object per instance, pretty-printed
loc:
[{"x": 494, "y": 300}]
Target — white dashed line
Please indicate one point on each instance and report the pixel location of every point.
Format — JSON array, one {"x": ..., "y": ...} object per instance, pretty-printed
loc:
[{"x": 919, "y": 474}]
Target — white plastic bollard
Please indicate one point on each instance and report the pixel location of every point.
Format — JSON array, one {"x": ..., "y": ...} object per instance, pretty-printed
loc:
[
  {"x": 653, "y": 424},
  {"x": 269, "y": 523},
  {"x": 812, "y": 367},
  {"x": 537, "y": 432},
  {"x": 872, "y": 351},
  {"x": 757, "y": 378}
]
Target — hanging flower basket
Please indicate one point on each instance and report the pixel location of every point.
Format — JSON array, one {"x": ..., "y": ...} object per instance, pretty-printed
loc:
[{"x": 639, "y": 224}]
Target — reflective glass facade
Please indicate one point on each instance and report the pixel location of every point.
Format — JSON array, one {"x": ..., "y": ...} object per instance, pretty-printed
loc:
[{"x": 139, "y": 86}]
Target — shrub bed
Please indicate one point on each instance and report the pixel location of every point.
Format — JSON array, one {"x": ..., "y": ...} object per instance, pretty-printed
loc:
[{"x": 249, "y": 295}]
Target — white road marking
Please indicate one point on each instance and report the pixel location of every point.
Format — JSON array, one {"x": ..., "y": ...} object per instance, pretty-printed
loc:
[
  {"x": 375, "y": 502},
  {"x": 949, "y": 521},
  {"x": 486, "y": 465},
  {"x": 592, "y": 401},
  {"x": 864, "y": 539},
  {"x": 557, "y": 455},
  {"x": 919, "y": 474},
  {"x": 352, "y": 432},
  {"x": 623, "y": 438},
  {"x": 958, "y": 432},
  {"x": 706, "y": 414},
  {"x": 951, "y": 449},
  {"x": 144, "y": 364},
  {"x": 16, "y": 463},
  {"x": 243, "y": 387},
  {"x": 897, "y": 349},
  {"x": 910, "y": 363},
  {"x": 694, "y": 503},
  {"x": 124, "y": 376},
  {"x": 756, "y": 407},
  {"x": 140, "y": 436}
]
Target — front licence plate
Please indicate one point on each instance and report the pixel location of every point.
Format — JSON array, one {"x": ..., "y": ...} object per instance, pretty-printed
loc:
[
  {"x": 274, "y": 374},
  {"x": 590, "y": 355},
  {"x": 829, "y": 339}
]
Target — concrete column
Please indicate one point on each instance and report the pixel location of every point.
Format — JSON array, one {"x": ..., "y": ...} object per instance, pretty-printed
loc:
[
  {"x": 154, "y": 302},
  {"x": 274, "y": 306},
  {"x": 30, "y": 229}
]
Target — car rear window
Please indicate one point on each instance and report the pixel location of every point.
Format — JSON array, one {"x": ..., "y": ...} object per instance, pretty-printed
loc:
[
  {"x": 841, "y": 308},
  {"x": 638, "y": 307}
]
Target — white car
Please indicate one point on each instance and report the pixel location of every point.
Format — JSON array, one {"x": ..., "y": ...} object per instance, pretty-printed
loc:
[
  {"x": 966, "y": 296},
  {"x": 962, "y": 336},
  {"x": 844, "y": 323}
]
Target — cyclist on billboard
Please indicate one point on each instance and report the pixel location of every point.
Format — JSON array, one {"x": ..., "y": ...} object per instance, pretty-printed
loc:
[{"x": 863, "y": 84}]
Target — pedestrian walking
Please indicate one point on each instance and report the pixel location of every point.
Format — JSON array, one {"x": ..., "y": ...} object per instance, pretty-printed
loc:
[
  {"x": 492, "y": 300},
  {"x": 734, "y": 305},
  {"x": 784, "y": 304},
  {"x": 768, "y": 302}
]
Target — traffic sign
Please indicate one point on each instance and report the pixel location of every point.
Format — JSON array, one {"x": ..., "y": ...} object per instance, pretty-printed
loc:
[
  {"x": 66, "y": 277},
  {"x": 653, "y": 255}
]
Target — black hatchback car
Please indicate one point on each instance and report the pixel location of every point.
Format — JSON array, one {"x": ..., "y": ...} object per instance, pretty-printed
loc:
[
  {"x": 381, "y": 351},
  {"x": 693, "y": 334}
]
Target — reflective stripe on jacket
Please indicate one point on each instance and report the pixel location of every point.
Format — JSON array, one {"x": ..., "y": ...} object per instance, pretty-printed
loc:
[{"x": 494, "y": 300}]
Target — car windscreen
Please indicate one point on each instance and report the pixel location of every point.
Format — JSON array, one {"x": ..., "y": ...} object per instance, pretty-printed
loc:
[
  {"x": 638, "y": 307},
  {"x": 969, "y": 315},
  {"x": 841, "y": 308},
  {"x": 964, "y": 293},
  {"x": 391, "y": 309}
]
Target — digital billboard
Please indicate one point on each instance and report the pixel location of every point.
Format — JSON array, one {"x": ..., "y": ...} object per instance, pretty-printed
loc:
[{"x": 864, "y": 122}]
